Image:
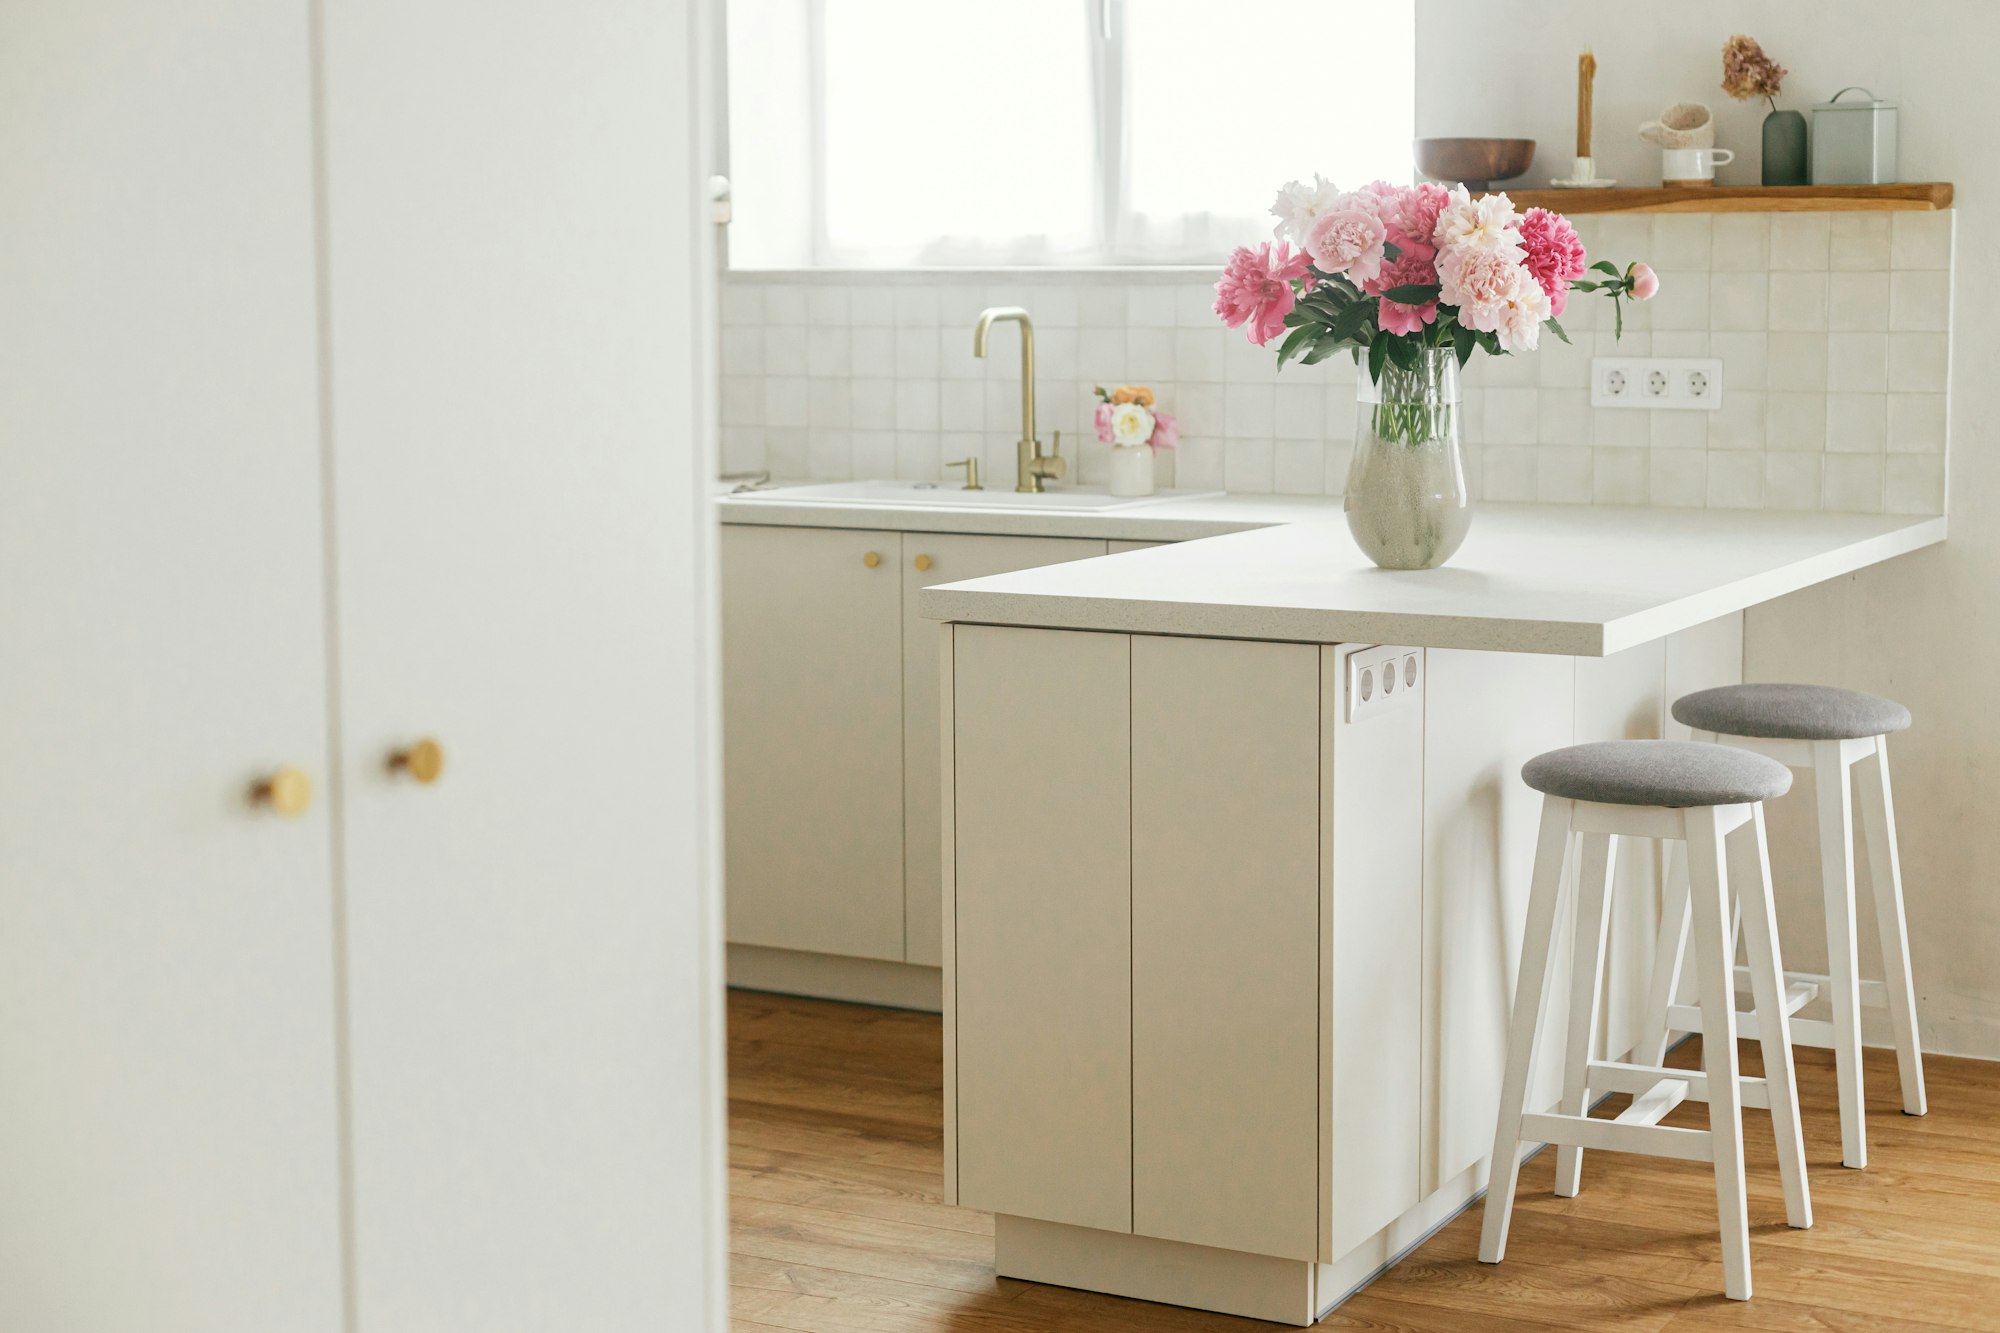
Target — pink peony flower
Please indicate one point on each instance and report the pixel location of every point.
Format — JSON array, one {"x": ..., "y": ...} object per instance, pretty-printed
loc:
[
  {"x": 1412, "y": 218},
  {"x": 1255, "y": 293},
  {"x": 1414, "y": 265},
  {"x": 1642, "y": 282},
  {"x": 1553, "y": 254},
  {"x": 1298, "y": 204},
  {"x": 1348, "y": 241},
  {"x": 1495, "y": 294},
  {"x": 1166, "y": 430},
  {"x": 1101, "y": 419}
]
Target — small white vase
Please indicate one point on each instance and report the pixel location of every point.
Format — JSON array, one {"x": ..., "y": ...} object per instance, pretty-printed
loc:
[{"x": 1131, "y": 469}]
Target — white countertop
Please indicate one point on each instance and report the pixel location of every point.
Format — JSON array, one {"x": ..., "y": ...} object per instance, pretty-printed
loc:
[
  {"x": 1571, "y": 579},
  {"x": 1164, "y": 521}
]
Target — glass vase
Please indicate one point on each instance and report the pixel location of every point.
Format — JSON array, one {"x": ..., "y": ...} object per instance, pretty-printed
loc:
[{"x": 1407, "y": 504}]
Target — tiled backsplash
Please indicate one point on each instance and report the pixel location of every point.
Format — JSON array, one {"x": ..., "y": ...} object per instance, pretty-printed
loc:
[{"x": 1833, "y": 330}]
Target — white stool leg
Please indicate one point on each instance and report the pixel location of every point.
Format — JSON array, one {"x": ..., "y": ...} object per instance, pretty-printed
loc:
[
  {"x": 1885, "y": 874},
  {"x": 1750, "y": 876},
  {"x": 1714, "y": 966},
  {"x": 1836, "y": 863},
  {"x": 1668, "y": 952},
  {"x": 1524, "y": 1030},
  {"x": 1586, "y": 984}
]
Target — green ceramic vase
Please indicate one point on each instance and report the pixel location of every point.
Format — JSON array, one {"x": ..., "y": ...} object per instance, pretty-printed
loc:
[{"x": 1785, "y": 148}]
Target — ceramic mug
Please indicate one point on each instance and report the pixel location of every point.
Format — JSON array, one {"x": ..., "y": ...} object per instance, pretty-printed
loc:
[{"x": 1692, "y": 166}]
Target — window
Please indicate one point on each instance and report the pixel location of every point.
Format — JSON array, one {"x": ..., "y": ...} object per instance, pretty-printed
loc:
[{"x": 893, "y": 133}]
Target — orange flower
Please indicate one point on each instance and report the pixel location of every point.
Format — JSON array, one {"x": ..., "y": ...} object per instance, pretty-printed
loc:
[{"x": 1132, "y": 393}]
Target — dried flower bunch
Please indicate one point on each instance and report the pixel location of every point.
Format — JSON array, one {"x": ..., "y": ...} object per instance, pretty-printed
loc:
[{"x": 1747, "y": 72}]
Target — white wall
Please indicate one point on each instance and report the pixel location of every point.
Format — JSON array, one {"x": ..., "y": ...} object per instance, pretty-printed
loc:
[{"x": 1922, "y": 628}]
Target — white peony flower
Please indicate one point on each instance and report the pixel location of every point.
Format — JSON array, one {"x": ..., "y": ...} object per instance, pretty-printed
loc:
[
  {"x": 1487, "y": 223},
  {"x": 1298, "y": 204},
  {"x": 1131, "y": 424}
]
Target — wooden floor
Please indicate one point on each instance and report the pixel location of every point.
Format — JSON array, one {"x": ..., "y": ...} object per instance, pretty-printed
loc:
[{"x": 836, "y": 1150}]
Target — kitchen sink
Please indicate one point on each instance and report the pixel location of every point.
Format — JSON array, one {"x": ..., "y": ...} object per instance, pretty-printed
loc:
[{"x": 924, "y": 493}]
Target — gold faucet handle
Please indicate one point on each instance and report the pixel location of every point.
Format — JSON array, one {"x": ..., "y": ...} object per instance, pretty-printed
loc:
[
  {"x": 971, "y": 466},
  {"x": 1052, "y": 464}
]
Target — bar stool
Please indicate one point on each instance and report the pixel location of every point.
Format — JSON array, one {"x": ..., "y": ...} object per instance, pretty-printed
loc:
[
  {"x": 1829, "y": 732},
  {"x": 1671, "y": 790}
]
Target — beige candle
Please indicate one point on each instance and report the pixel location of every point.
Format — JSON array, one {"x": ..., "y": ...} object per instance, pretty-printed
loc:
[{"x": 1586, "y": 71}]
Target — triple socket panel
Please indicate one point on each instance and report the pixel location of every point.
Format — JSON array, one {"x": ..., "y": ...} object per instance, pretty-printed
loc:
[
  {"x": 1379, "y": 678},
  {"x": 1657, "y": 383}
]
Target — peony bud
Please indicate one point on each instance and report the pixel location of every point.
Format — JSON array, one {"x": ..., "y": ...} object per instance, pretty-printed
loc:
[{"x": 1641, "y": 282}]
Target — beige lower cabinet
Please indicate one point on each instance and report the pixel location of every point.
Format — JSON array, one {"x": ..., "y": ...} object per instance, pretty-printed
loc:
[{"x": 830, "y": 732}]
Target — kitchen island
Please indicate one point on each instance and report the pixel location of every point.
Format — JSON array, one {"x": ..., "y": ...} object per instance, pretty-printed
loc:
[{"x": 1235, "y": 863}]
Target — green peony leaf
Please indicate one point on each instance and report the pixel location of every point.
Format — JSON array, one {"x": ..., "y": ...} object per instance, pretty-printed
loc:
[
  {"x": 1413, "y": 293},
  {"x": 1555, "y": 327}
]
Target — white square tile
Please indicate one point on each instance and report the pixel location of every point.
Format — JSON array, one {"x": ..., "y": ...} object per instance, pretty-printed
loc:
[
  {"x": 1682, "y": 302},
  {"x": 1198, "y": 464},
  {"x": 1585, "y": 312},
  {"x": 1148, "y": 306},
  {"x": 1343, "y": 413},
  {"x": 1101, "y": 304},
  {"x": 1799, "y": 241},
  {"x": 1677, "y": 478},
  {"x": 872, "y": 351},
  {"x": 1857, "y": 302},
  {"x": 1620, "y": 476},
  {"x": 1634, "y": 343},
  {"x": 829, "y": 352},
  {"x": 1056, "y": 306},
  {"x": 742, "y": 448},
  {"x": 742, "y": 351},
  {"x": 1860, "y": 241},
  {"x": 786, "y": 401},
  {"x": 1919, "y": 362},
  {"x": 960, "y": 304},
  {"x": 1243, "y": 362},
  {"x": 962, "y": 405},
  {"x": 871, "y": 404},
  {"x": 1679, "y": 430},
  {"x": 1100, "y": 356},
  {"x": 917, "y": 307},
  {"x": 919, "y": 455},
  {"x": 1741, "y": 242},
  {"x": 1745, "y": 359},
  {"x": 1921, "y": 240},
  {"x": 1916, "y": 423},
  {"x": 1735, "y": 481},
  {"x": 1249, "y": 466},
  {"x": 784, "y": 303},
  {"x": 1149, "y": 353},
  {"x": 1194, "y": 306},
  {"x": 1340, "y": 457},
  {"x": 1003, "y": 408},
  {"x": 1198, "y": 408},
  {"x": 1791, "y": 481},
  {"x": 1857, "y": 362},
  {"x": 827, "y": 304},
  {"x": 1795, "y": 422},
  {"x": 1797, "y": 362},
  {"x": 917, "y": 353},
  {"x": 829, "y": 455},
  {"x": 1508, "y": 471},
  {"x": 1680, "y": 342},
  {"x": 1249, "y": 411},
  {"x": 1056, "y": 353},
  {"x": 956, "y": 361},
  {"x": 1920, "y": 301},
  {"x": 1914, "y": 484},
  {"x": 1510, "y": 416},
  {"x": 827, "y": 407},
  {"x": 1299, "y": 467},
  {"x": 1738, "y": 302},
  {"x": 742, "y": 303},
  {"x": 1857, "y": 423},
  {"x": 742, "y": 400},
  {"x": 1300, "y": 412},
  {"x": 1563, "y": 365},
  {"x": 788, "y": 452},
  {"x": 1622, "y": 238},
  {"x": 917, "y": 405},
  {"x": 1621, "y": 428},
  {"x": 1852, "y": 484},
  {"x": 872, "y": 306},
  {"x": 1564, "y": 473},
  {"x": 1198, "y": 355},
  {"x": 784, "y": 349},
  {"x": 1563, "y": 416},
  {"x": 1739, "y": 423},
  {"x": 1680, "y": 241},
  {"x": 1507, "y": 371},
  {"x": 1798, "y": 301}
]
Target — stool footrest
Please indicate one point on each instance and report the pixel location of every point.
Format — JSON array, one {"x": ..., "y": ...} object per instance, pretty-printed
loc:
[
  {"x": 1805, "y": 1031},
  {"x": 1643, "y": 1081},
  {"x": 1801, "y": 989},
  {"x": 1689, "y": 1145}
]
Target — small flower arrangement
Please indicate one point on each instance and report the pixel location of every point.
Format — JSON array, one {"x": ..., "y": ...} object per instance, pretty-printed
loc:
[
  {"x": 1128, "y": 417},
  {"x": 1393, "y": 271},
  {"x": 1748, "y": 73}
]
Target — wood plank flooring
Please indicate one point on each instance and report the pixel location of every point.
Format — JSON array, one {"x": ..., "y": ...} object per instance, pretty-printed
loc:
[{"x": 836, "y": 1152}]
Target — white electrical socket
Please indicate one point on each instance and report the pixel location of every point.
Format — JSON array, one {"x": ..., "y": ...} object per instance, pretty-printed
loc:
[
  {"x": 1378, "y": 677},
  {"x": 1654, "y": 383}
]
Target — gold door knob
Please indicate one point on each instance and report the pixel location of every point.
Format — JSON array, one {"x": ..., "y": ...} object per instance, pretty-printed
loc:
[
  {"x": 872, "y": 559},
  {"x": 423, "y": 761},
  {"x": 922, "y": 562},
  {"x": 288, "y": 791}
]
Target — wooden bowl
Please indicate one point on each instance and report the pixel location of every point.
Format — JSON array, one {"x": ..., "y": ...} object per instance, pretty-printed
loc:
[{"x": 1475, "y": 163}]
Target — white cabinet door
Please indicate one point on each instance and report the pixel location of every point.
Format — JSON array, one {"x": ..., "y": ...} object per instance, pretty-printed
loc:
[
  {"x": 168, "y": 1133},
  {"x": 1225, "y": 784},
  {"x": 515, "y": 246},
  {"x": 943, "y": 559},
  {"x": 812, "y": 724}
]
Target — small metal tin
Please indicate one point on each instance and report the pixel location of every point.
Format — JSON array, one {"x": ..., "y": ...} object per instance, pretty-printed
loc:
[{"x": 1854, "y": 141}]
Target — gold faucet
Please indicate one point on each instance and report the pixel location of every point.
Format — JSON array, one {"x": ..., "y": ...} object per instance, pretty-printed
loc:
[{"x": 1035, "y": 466}]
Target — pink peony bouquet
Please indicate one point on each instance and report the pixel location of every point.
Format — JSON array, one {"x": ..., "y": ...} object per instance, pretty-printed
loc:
[
  {"x": 1396, "y": 270},
  {"x": 1128, "y": 416}
]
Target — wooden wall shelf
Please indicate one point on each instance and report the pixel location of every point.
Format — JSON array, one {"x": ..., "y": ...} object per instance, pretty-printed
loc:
[{"x": 1922, "y": 196}]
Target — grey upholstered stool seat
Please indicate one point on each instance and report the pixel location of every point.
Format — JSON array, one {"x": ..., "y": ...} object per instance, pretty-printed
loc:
[
  {"x": 1790, "y": 712},
  {"x": 1675, "y": 774}
]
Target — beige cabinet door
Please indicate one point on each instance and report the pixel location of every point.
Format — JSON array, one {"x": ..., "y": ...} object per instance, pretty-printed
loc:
[
  {"x": 812, "y": 726},
  {"x": 1226, "y": 943},
  {"x": 931, "y": 558},
  {"x": 169, "y": 1134}
]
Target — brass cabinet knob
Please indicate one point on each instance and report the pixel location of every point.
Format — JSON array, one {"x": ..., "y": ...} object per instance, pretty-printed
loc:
[
  {"x": 872, "y": 559},
  {"x": 288, "y": 791},
  {"x": 423, "y": 761},
  {"x": 922, "y": 562}
]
